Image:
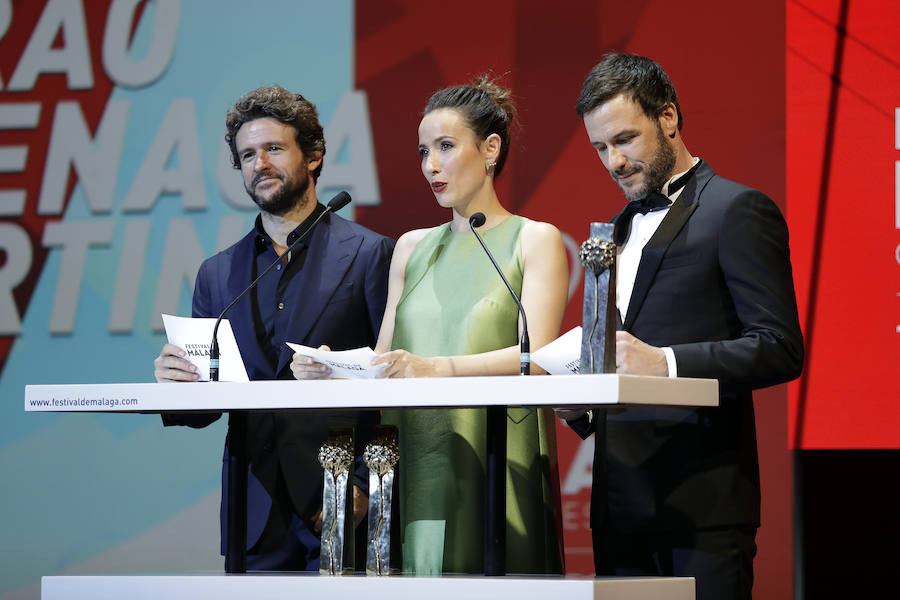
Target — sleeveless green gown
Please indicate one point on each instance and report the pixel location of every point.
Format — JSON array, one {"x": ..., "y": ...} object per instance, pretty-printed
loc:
[{"x": 455, "y": 303}]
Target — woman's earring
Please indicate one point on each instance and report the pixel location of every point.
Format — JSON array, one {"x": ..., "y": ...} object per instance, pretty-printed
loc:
[{"x": 489, "y": 166}]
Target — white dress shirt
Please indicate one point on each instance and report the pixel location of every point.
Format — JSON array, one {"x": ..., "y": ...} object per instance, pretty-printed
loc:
[{"x": 628, "y": 256}]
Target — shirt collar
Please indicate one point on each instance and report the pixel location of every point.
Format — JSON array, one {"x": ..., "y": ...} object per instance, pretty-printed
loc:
[
  {"x": 264, "y": 241},
  {"x": 677, "y": 188}
]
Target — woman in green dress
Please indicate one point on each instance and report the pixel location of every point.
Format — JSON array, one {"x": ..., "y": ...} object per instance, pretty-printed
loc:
[{"x": 449, "y": 314}]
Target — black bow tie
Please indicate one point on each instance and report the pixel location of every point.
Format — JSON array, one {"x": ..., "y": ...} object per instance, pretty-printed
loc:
[{"x": 651, "y": 202}]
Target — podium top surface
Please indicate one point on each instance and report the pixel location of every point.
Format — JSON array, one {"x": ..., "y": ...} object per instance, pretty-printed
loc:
[
  {"x": 450, "y": 392},
  {"x": 277, "y": 586}
]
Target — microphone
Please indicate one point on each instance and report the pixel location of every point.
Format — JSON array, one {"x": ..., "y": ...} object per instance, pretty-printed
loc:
[
  {"x": 335, "y": 204},
  {"x": 477, "y": 220}
]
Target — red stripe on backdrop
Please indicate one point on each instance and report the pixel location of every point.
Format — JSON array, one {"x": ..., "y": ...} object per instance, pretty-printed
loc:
[
  {"x": 843, "y": 220},
  {"x": 49, "y": 89}
]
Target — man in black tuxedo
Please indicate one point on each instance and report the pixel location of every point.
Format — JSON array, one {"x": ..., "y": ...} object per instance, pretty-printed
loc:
[
  {"x": 704, "y": 284},
  {"x": 330, "y": 291}
]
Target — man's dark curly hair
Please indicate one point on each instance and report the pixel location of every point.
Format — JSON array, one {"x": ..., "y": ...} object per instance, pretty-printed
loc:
[{"x": 277, "y": 103}]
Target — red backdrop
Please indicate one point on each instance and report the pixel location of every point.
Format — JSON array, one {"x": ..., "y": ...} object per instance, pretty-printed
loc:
[
  {"x": 727, "y": 62},
  {"x": 843, "y": 153}
]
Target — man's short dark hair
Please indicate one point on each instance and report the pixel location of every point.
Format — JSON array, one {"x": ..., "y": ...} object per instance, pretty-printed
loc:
[
  {"x": 636, "y": 76},
  {"x": 277, "y": 103}
]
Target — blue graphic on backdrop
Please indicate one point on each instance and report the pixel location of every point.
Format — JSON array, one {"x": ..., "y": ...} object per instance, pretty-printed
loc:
[{"x": 80, "y": 486}]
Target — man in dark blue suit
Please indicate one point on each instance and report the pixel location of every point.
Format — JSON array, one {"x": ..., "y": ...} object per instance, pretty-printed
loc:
[
  {"x": 705, "y": 287},
  {"x": 330, "y": 291}
]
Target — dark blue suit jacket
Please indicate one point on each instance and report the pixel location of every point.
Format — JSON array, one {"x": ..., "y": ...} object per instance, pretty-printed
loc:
[
  {"x": 714, "y": 283},
  {"x": 344, "y": 289}
]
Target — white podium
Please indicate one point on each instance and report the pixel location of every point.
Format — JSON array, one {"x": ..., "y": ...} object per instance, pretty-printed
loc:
[
  {"x": 567, "y": 390},
  {"x": 292, "y": 587},
  {"x": 447, "y": 392}
]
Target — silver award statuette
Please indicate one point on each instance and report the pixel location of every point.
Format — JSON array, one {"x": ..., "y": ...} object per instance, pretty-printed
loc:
[
  {"x": 598, "y": 338},
  {"x": 381, "y": 456},
  {"x": 336, "y": 458}
]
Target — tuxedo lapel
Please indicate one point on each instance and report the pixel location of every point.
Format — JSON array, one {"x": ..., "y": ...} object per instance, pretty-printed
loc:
[
  {"x": 331, "y": 252},
  {"x": 653, "y": 253}
]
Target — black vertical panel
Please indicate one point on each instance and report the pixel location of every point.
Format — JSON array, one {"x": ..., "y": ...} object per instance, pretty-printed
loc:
[{"x": 850, "y": 533}]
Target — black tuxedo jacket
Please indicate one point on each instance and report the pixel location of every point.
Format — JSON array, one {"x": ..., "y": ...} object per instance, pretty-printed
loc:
[
  {"x": 714, "y": 283},
  {"x": 344, "y": 289}
]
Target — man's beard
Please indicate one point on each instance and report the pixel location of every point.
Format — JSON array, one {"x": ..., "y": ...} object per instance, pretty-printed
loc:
[
  {"x": 290, "y": 194},
  {"x": 658, "y": 170}
]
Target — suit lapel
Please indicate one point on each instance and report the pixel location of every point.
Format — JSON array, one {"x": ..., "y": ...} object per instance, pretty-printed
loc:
[
  {"x": 653, "y": 253},
  {"x": 331, "y": 252},
  {"x": 241, "y": 315}
]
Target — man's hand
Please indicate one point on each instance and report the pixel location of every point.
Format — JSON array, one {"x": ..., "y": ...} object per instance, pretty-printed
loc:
[
  {"x": 304, "y": 367},
  {"x": 634, "y": 357},
  {"x": 171, "y": 366},
  {"x": 360, "y": 505}
]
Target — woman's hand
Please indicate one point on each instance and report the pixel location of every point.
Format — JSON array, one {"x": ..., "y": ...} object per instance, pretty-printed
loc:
[
  {"x": 304, "y": 367},
  {"x": 400, "y": 363}
]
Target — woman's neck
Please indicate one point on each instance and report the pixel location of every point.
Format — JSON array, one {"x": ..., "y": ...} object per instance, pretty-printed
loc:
[{"x": 488, "y": 204}]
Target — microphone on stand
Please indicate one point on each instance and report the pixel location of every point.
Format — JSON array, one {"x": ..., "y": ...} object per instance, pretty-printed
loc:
[
  {"x": 334, "y": 205},
  {"x": 477, "y": 220}
]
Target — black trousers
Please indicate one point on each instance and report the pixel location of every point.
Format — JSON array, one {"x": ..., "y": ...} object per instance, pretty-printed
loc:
[
  {"x": 720, "y": 560},
  {"x": 287, "y": 543}
]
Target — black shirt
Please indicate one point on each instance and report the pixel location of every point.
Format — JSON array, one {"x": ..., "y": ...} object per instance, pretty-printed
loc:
[{"x": 275, "y": 296}]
